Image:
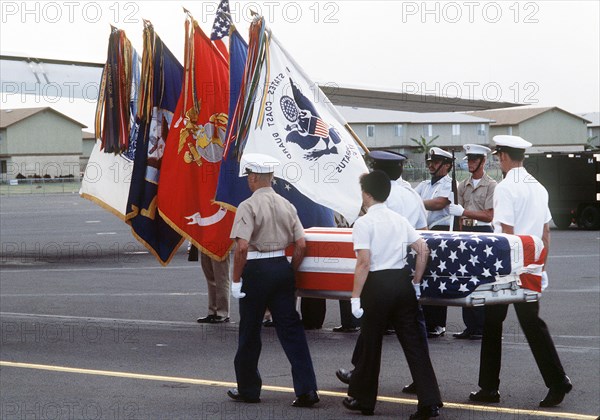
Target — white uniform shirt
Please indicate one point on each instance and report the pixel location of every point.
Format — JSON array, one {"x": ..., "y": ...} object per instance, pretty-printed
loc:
[
  {"x": 522, "y": 202},
  {"x": 406, "y": 202},
  {"x": 442, "y": 188},
  {"x": 386, "y": 235}
]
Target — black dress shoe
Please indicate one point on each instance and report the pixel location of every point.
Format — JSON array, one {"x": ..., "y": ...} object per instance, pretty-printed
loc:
[
  {"x": 219, "y": 319},
  {"x": 463, "y": 335},
  {"x": 268, "y": 323},
  {"x": 410, "y": 389},
  {"x": 484, "y": 395},
  {"x": 353, "y": 404},
  {"x": 557, "y": 393},
  {"x": 424, "y": 413},
  {"x": 344, "y": 375},
  {"x": 206, "y": 320},
  {"x": 234, "y": 394},
  {"x": 345, "y": 329},
  {"x": 307, "y": 400},
  {"x": 436, "y": 332},
  {"x": 476, "y": 336}
]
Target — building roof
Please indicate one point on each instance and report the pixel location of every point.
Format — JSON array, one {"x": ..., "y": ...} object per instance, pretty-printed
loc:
[
  {"x": 9, "y": 117},
  {"x": 86, "y": 135},
  {"x": 593, "y": 117},
  {"x": 381, "y": 116},
  {"x": 515, "y": 116},
  {"x": 401, "y": 101}
]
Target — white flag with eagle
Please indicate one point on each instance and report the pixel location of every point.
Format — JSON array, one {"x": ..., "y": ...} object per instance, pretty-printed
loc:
[{"x": 288, "y": 117}]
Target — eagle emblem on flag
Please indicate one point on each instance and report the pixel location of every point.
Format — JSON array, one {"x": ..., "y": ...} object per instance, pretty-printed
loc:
[{"x": 308, "y": 129}]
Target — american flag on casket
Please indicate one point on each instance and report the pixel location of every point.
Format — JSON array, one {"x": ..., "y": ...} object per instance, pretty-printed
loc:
[{"x": 464, "y": 268}]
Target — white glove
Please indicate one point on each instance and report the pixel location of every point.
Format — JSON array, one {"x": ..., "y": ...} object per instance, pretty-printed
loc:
[
  {"x": 357, "y": 311},
  {"x": 417, "y": 288},
  {"x": 456, "y": 209},
  {"x": 236, "y": 290},
  {"x": 544, "y": 280}
]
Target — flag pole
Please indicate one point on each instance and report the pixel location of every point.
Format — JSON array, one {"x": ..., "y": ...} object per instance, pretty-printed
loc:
[{"x": 356, "y": 138}]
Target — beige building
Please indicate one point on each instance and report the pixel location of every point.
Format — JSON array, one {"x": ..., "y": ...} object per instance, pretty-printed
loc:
[
  {"x": 39, "y": 142},
  {"x": 88, "y": 143},
  {"x": 393, "y": 130},
  {"x": 550, "y": 129}
]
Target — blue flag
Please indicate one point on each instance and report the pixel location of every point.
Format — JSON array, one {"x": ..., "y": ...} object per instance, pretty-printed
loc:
[
  {"x": 164, "y": 75},
  {"x": 233, "y": 189}
]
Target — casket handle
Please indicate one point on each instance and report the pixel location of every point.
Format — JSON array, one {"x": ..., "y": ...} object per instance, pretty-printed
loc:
[
  {"x": 478, "y": 301},
  {"x": 531, "y": 296}
]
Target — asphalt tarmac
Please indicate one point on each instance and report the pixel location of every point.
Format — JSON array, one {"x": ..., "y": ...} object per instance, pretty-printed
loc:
[{"x": 92, "y": 327}]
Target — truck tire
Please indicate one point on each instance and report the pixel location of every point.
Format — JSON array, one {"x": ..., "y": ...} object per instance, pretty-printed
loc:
[
  {"x": 562, "y": 221},
  {"x": 589, "y": 218}
]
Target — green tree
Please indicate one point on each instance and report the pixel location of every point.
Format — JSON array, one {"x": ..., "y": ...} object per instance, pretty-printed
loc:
[
  {"x": 590, "y": 144},
  {"x": 423, "y": 144}
]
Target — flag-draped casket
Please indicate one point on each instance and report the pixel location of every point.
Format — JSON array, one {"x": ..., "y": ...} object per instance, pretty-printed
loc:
[{"x": 464, "y": 268}]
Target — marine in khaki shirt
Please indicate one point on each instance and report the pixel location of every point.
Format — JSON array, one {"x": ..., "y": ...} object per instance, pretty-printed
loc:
[
  {"x": 267, "y": 221},
  {"x": 263, "y": 278}
]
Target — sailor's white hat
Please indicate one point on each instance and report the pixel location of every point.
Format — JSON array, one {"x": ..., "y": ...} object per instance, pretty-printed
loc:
[
  {"x": 511, "y": 142},
  {"x": 437, "y": 153},
  {"x": 258, "y": 163},
  {"x": 476, "y": 149}
]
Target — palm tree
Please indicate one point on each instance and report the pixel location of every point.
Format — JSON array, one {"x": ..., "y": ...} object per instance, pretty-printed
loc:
[
  {"x": 423, "y": 144},
  {"x": 590, "y": 143}
]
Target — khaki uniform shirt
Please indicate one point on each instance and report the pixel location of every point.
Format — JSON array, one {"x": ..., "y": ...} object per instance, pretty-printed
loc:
[
  {"x": 267, "y": 221},
  {"x": 477, "y": 198}
]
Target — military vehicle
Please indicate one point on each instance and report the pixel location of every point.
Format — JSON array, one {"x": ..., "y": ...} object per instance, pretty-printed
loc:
[{"x": 573, "y": 183}]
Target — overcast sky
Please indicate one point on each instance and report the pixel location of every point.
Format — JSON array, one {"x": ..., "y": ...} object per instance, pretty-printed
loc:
[{"x": 544, "y": 53}]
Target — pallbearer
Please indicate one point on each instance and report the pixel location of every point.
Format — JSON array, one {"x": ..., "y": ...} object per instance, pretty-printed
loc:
[
  {"x": 383, "y": 293},
  {"x": 520, "y": 208},
  {"x": 265, "y": 224}
]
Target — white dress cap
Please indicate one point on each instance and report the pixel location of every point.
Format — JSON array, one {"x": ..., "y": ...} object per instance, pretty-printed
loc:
[
  {"x": 259, "y": 163},
  {"x": 437, "y": 153},
  {"x": 514, "y": 142},
  {"x": 475, "y": 149}
]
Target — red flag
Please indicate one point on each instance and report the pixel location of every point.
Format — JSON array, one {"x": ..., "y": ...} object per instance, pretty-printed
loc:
[{"x": 193, "y": 151}]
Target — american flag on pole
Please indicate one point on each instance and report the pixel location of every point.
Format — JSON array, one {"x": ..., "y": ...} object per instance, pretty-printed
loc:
[{"x": 221, "y": 24}]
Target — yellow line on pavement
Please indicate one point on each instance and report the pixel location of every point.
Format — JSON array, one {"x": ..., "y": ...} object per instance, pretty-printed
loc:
[{"x": 131, "y": 375}]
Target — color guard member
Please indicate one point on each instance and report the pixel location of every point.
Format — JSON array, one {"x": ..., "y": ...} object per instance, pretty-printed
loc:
[
  {"x": 437, "y": 195},
  {"x": 475, "y": 209}
]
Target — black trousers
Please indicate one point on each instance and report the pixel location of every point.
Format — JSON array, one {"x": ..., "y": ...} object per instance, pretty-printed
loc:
[
  {"x": 473, "y": 317},
  {"x": 537, "y": 335},
  {"x": 313, "y": 313},
  {"x": 388, "y": 296},
  {"x": 269, "y": 283}
]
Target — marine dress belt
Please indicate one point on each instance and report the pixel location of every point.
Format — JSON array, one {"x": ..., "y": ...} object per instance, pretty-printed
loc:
[
  {"x": 474, "y": 222},
  {"x": 257, "y": 255}
]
